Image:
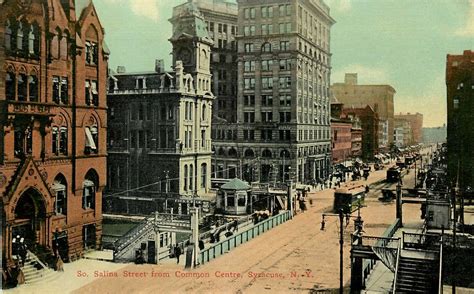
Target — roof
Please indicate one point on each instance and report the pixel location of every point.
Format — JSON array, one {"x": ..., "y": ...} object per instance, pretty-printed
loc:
[{"x": 236, "y": 184}]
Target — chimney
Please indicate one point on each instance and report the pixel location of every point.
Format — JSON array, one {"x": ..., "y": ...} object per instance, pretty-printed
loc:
[
  {"x": 351, "y": 79},
  {"x": 121, "y": 69},
  {"x": 159, "y": 65}
]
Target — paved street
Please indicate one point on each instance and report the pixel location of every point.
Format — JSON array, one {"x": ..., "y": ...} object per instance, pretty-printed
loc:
[{"x": 295, "y": 256}]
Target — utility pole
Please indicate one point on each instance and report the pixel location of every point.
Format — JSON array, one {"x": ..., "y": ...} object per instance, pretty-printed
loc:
[{"x": 341, "y": 252}]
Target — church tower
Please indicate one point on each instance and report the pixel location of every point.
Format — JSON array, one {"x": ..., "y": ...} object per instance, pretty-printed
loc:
[{"x": 192, "y": 45}]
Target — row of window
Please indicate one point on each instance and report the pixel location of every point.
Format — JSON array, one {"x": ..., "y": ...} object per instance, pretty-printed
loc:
[
  {"x": 22, "y": 39},
  {"x": 60, "y": 187},
  {"x": 188, "y": 183},
  {"x": 267, "y": 65},
  {"x": 21, "y": 87},
  {"x": 267, "y": 100},
  {"x": 267, "y": 83},
  {"x": 267, "y": 11},
  {"x": 267, "y": 116},
  {"x": 267, "y": 29},
  {"x": 221, "y": 28}
]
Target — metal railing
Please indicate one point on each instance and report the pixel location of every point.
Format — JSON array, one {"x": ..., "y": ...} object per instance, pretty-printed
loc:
[
  {"x": 128, "y": 239},
  {"x": 399, "y": 252},
  {"x": 224, "y": 246},
  {"x": 421, "y": 241}
]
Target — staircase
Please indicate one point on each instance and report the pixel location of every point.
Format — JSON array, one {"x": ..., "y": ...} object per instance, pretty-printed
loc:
[
  {"x": 35, "y": 271},
  {"x": 417, "y": 275},
  {"x": 124, "y": 247}
]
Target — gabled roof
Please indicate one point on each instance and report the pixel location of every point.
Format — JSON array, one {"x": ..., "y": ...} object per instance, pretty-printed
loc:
[
  {"x": 80, "y": 6},
  {"x": 236, "y": 184}
]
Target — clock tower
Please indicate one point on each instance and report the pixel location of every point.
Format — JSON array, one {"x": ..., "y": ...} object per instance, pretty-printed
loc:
[{"x": 192, "y": 45}]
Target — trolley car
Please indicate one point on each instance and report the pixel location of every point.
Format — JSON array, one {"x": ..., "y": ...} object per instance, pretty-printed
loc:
[{"x": 347, "y": 199}]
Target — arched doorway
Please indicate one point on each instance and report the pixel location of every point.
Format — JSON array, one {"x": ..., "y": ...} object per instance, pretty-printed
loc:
[{"x": 30, "y": 215}]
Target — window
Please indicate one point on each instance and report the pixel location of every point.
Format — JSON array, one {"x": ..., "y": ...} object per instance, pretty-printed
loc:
[
  {"x": 219, "y": 28},
  {"x": 267, "y": 83},
  {"x": 285, "y": 116},
  {"x": 61, "y": 148},
  {"x": 246, "y": 13},
  {"x": 203, "y": 175},
  {"x": 249, "y": 66},
  {"x": 282, "y": 10},
  {"x": 285, "y": 64},
  {"x": 249, "y": 30},
  {"x": 92, "y": 140},
  {"x": 249, "y": 117},
  {"x": 191, "y": 177},
  {"x": 252, "y": 13},
  {"x": 266, "y": 47},
  {"x": 91, "y": 53},
  {"x": 249, "y": 100},
  {"x": 288, "y": 27},
  {"x": 285, "y": 135},
  {"x": 249, "y": 135},
  {"x": 267, "y": 65},
  {"x": 8, "y": 36},
  {"x": 267, "y": 100},
  {"x": 88, "y": 196},
  {"x": 266, "y": 135},
  {"x": 267, "y": 12},
  {"x": 267, "y": 116},
  {"x": 285, "y": 82},
  {"x": 185, "y": 177},
  {"x": 267, "y": 29},
  {"x": 92, "y": 94},
  {"x": 284, "y": 45},
  {"x": 22, "y": 87},
  {"x": 33, "y": 88},
  {"x": 249, "y": 83},
  {"x": 249, "y": 47},
  {"x": 60, "y": 189},
  {"x": 285, "y": 100},
  {"x": 10, "y": 86}
]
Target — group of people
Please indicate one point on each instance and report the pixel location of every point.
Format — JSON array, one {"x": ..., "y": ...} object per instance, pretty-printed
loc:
[{"x": 19, "y": 249}]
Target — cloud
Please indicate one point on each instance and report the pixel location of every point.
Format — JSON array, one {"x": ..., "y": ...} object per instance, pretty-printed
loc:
[
  {"x": 365, "y": 74},
  {"x": 145, "y": 8},
  {"x": 340, "y": 5},
  {"x": 468, "y": 29}
]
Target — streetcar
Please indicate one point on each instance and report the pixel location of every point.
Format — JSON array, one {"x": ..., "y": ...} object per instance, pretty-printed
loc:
[
  {"x": 348, "y": 199},
  {"x": 393, "y": 175}
]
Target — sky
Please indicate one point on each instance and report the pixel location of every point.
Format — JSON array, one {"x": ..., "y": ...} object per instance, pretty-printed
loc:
[{"x": 402, "y": 43}]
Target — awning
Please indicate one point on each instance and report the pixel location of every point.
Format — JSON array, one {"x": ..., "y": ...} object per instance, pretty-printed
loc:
[
  {"x": 94, "y": 88},
  {"x": 88, "y": 183},
  {"x": 90, "y": 140},
  {"x": 280, "y": 201},
  {"x": 58, "y": 187}
]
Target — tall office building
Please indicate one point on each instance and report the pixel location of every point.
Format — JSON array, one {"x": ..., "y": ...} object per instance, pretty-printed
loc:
[
  {"x": 53, "y": 124},
  {"x": 460, "y": 100},
  {"x": 283, "y": 108}
]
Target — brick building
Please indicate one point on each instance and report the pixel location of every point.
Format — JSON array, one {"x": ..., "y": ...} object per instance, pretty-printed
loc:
[
  {"x": 341, "y": 137},
  {"x": 283, "y": 119},
  {"x": 160, "y": 134},
  {"x": 416, "y": 125},
  {"x": 460, "y": 99},
  {"x": 53, "y": 125},
  {"x": 379, "y": 97},
  {"x": 369, "y": 125}
]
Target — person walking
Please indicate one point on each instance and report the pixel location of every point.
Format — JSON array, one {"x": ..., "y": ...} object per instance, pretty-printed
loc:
[{"x": 177, "y": 253}]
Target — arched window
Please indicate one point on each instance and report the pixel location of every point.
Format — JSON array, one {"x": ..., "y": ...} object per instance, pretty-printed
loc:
[
  {"x": 203, "y": 112},
  {"x": 31, "y": 40},
  {"x": 232, "y": 152},
  {"x": 60, "y": 189},
  {"x": 185, "y": 177},
  {"x": 63, "y": 43},
  {"x": 92, "y": 139},
  {"x": 90, "y": 184},
  {"x": 285, "y": 154},
  {"x": 266, "y": 47},
  {"x": 22, "y": 87},
  {"x": 19, "y": 37},
  {"x": 10, "y": 86},
  {"x": 191, "y": 177},
  {"x": 8, "y": 36},
  {"x": 266, "y": 153},
  {"x": 249, "y": 153},
  {"x": 33, "y": 88},
  {"x": 221, "y": 152},
  {"x": 203, "y": 175}
]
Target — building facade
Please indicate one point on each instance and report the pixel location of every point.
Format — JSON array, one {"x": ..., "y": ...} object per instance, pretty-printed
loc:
[
  {"x": 460, "y": 99},
  {"x": 416, "y": 125},
  {"x": 369, "y": 124},
  {"x": 283, "y": 110},
  {"x": 53, "y": 125},
  {"x": 379, "y": 97},
  {"x": 160, "y": 134},
  {"x": 403, "y": 132}
]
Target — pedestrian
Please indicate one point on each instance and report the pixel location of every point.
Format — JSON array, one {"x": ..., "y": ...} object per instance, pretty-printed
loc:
[{"x": 177, "y": 253}]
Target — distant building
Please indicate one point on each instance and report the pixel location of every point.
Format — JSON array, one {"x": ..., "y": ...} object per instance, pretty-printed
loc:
[
  {"x": 356, "y": 137},
  {"x": 379, "y": 97},
  {"x": 416, "y": 124},
  {"x": 53, "y": 125},
  {"x": 460, "y": 100},
  {"x": 403, "y": 132},
  {"x": 283, "y": 119},
  {"x": 160, "y": 127},
  {"x": 341, "y": 137},
  {"x": 435, "y": 135},
  {"x": 369, "y": 124}
]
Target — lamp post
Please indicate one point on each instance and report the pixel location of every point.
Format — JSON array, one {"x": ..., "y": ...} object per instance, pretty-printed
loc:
[{"x": 341, "y": 245}]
